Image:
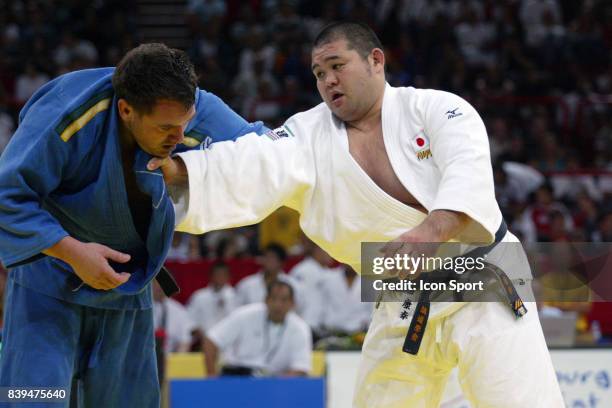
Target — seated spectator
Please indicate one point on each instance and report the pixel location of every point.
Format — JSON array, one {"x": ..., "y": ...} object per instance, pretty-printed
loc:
[
  {"x": 343, "y": 310},
  {"x": 252, "y": 289},
  {"x": 185, "y": 247},
  {"x": 309, "y": 273},
  {"x": 314, "y": 266},
  {"x": 261, "y": 338},
  {"x": 173, "y": 325},
  {"x": 179, "y": 249},
  {"x": 535, "y": 223},
  {"x": 209, "y": 305}
]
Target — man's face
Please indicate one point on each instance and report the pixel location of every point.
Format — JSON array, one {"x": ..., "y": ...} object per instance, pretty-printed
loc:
[
  {"x": 346, "y": 81},
  {"x": 279, "y": 303},
  {"x": 270, "y": 262},
  {"x": 219, "y": 276},
  {"x": 159, "y": 131}
]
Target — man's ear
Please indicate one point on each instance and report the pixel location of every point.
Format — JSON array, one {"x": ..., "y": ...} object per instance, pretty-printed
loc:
[
  {"x": 378, "y": 58},
  {"x": 126, "y": 111}
]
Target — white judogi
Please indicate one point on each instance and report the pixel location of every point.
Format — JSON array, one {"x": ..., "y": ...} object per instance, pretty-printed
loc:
[
  {"x": 208, "y": 306},
  {"x": 438, "y": 148}
]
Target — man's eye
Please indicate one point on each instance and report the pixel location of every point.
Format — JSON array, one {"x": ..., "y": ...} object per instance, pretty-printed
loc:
[
  {"x": 336, "y": 66},
  {"x": 165, "y": 128},
  {"x": 319, "y": 75}
]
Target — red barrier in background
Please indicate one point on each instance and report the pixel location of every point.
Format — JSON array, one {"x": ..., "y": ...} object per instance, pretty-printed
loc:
[{"x": 194, "y": 275}]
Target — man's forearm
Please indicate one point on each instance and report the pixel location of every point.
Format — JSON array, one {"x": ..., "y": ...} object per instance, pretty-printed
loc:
[
  {"x": 181, "y": 177},
  {"x": 64, "y": 249},
  {"x": 439, "y": 226},
  {"x": 211, "y": 353}
]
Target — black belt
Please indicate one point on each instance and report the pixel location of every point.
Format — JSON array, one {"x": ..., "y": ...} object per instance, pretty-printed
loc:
[
  {"x": 418, "y": 324},
  {"x": 167, "y": 283}
]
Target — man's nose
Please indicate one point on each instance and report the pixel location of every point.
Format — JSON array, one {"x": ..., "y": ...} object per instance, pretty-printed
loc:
[
  {"x": 178, "y": 134},
  {"x": 331, "y": 80}
]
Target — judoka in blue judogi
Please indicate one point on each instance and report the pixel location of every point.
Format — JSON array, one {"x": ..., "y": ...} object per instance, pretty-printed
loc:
[{"x": 61, "y": 175}]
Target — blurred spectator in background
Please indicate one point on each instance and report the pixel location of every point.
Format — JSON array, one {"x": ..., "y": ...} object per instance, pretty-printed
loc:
[
  {"x": 184, "y": 248},
  {"x": 310, "y": 272},
  {"x": 209, "y": 305},
  {"x": 252, "y": 289},
  {"x": 604, "y": 230},
  {"x": 476, "y": 37},
  {"x": 261, "y": 338},
  {"x": 537, "y": 16},
  {"x": 343, "y": 311},
  {"x": 513, "y": 184},
  {"x": 7, "y": 124},
  {"x": 173, "y": 325},
  {"x": 535, "y": 223},
  {"x": 227, "y": 244},
  {"x": 29, "y": 82},
  {"x": 74, "y": 51},
  {"x": 206, "y": 10}
]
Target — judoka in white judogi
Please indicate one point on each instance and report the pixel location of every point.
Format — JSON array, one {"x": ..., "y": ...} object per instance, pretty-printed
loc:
[
  {"x": 350, "y": 180},
  {"x": 306, "y": 165}
]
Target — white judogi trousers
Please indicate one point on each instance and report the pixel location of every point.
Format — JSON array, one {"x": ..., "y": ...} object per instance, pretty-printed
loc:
[{"x": 502, "y": 361}]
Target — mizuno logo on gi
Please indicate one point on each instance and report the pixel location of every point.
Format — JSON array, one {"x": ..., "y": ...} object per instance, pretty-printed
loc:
[{"x": 453, "y": 113}]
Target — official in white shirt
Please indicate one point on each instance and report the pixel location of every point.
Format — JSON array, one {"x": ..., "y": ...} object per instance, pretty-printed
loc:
[
  {"x": 261, "y": 338},
  {"x": 211, "y": 304}
]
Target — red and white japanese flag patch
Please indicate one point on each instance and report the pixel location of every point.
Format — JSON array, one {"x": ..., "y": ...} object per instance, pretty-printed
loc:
[{"x": 420, "y": 145}]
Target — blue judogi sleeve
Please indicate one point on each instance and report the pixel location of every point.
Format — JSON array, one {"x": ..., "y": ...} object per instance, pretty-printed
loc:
[{"x": 32, "y": 166}]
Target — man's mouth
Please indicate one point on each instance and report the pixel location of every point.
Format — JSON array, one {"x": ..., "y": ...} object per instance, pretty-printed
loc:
[
  {"x": 169, "y": 147},
  {"x": 336, "y": 95},
  {"x": 337, "y": 98}
]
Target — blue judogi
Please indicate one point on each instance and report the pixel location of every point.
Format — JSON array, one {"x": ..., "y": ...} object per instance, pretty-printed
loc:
[{"x": 60, "y": 175}]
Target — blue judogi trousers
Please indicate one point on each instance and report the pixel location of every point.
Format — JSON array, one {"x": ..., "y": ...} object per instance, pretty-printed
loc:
[{"x": 106, "y": 356}]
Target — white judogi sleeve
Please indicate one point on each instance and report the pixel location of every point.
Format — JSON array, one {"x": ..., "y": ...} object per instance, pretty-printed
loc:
[
  {"x": 242, "y": 182},
  {"x": 460, "y": 150}
]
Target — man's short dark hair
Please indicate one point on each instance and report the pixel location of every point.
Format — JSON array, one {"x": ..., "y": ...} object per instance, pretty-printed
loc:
[
  {"x": 359, "y": 37},
  {"x": 279, "y": 283},
  {"x": 278, "y": 250},
  {"x": 151, "y": 72}
]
